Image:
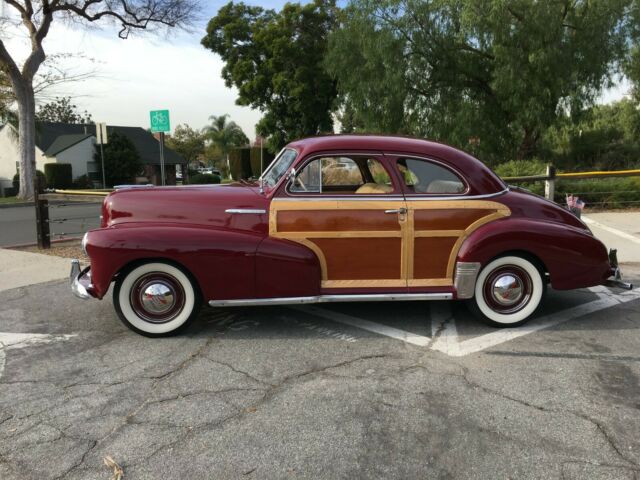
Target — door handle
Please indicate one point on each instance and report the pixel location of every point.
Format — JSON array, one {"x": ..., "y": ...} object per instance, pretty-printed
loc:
[{"x": 401, "y": 211}]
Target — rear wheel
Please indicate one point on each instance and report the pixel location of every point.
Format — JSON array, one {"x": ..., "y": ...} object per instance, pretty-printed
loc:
[
  {"x": 156, "y": 299},
  {"x": 508, "y": 291}
]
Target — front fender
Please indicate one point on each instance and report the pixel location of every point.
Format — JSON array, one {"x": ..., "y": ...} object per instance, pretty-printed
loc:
[
  {"x": 222, "y": 262},
  {"x": 572, "y": 256}
]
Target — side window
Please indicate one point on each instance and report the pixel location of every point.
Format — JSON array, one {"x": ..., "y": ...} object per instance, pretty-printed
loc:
[
  {"x": 342, "y": 176},
  {"x": 422, "y": 176}
]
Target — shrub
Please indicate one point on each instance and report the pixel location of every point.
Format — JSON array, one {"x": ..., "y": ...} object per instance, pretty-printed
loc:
[
  {"x": 601, "y": 192},
  {"x": 59, "y": 175},
  {"x": 240, "y": 163},
  {"x": 267, "y": 158},
  {"x": 42, "y": 181},
  {"x": 521, "y": 168},
  {"x": 83, "y": 182},
  {"x": 203, "y": 178}
]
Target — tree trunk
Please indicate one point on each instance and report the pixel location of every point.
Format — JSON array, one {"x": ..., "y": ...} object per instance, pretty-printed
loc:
[
  {"x": 26, "y": 140},
  {"x": 529, "y": 144}
]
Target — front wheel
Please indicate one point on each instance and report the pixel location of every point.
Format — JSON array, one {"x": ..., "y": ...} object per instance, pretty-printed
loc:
[
  {"x": 156, "y": 299},
  {"x": 508, "y": 291}
]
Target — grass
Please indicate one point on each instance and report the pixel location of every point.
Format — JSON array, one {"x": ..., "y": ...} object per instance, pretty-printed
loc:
[{"x": 10, "y": 200}]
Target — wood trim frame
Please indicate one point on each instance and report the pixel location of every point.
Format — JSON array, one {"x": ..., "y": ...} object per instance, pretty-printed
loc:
[{"x": 406, "y": 231}]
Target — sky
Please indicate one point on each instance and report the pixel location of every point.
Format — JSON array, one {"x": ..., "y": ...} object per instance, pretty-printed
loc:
[{"x": 149, "y": 72}]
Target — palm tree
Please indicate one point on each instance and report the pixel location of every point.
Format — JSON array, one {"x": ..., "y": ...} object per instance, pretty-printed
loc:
[{"x": 225, "y": 135}]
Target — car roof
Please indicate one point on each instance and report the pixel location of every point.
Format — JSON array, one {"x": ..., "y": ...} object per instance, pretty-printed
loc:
[{"x": 481, "y": 179}]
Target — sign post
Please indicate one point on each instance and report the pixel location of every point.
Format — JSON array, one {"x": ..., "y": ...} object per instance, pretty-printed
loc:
[
  {"x": 101, "y": 139},
  {"x": 160, "y": 124}
]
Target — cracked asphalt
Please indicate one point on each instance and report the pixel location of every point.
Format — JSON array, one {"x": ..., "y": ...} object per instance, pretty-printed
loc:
[{"x": 270, "y": 393}]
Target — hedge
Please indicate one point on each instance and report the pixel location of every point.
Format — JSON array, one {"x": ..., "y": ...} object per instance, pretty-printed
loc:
[
  {"x": 202, "y": 178},
  {"x": 245, "y": 162},
  {"x": 59, "y": 175},
  {"x": 42, "y": 181}
]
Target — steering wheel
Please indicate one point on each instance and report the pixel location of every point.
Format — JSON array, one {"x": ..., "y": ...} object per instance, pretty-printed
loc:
[{"x": 299, "y": 180}]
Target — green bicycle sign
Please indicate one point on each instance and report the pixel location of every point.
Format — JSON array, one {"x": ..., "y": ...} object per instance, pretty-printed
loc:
[{"x": 159, "y": 121}]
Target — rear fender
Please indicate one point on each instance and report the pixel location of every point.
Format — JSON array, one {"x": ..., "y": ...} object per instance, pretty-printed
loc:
[
  {"x": 572, "y": 256},
  {"x": 222, "y": 262}
]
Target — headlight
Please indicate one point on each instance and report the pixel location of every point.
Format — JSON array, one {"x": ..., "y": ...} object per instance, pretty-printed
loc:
[{"x": 83, "y": 245}]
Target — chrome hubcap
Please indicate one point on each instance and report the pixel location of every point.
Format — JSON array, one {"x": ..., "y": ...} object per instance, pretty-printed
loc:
[
  {"x": 507, "y": 289},
  {"x": 157, "y": 298}
]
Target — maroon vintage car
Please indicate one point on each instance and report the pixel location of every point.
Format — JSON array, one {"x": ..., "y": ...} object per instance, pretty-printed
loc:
[{"x": 337, "y": 219}]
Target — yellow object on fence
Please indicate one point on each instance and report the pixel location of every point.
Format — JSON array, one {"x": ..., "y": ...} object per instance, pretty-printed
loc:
[{"x": 101, "y": 193}]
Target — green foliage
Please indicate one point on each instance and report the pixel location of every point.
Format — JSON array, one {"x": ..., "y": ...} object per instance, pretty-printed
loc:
[
  {"x": 601, "y": 192},
  {"x": 240, "y": 163},
  {"x": 605, "y": 137},
  {"x": 254, "y": 156},
  {"x": 121, "y": 160},
  {"x": 483, "y": 69},
  {"x": 223, "y": 134},
  {"x": 521, "y": 168},
  {"x": 187, "y": 142},
  {"x": 83, "y": 182},
  {"x": 59, "y": 175},
  {"x": 42, "y": 181},
  {"x": 62, "y": 110},
  {"x": 275, "y": 60},
  {"x": 202, "y": 178}
]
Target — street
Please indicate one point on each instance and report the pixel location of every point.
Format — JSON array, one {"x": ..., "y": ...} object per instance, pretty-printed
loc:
[
  {"x": 18, "y": 224},
  {"x": 379, "y": 390}
]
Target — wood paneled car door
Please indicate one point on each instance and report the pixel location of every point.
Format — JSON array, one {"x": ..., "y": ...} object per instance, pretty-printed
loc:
[
  {"x": 440, "y": 216},
  {"x": 347, "y": 210}
]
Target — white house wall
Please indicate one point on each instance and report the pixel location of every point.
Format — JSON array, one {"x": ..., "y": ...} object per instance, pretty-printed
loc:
[
  {"x": 9, "y": 156},
  {"x": 78, "y": 156}
]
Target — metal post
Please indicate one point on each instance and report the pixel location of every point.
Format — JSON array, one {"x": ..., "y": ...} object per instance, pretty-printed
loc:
[
  {"x": 162, "y": 157},
  {"x": 261, "y": 158},
  {"x": 104, "y": 181},
  {"x": 42, "y": 224},
  {"x": 550, "y": 183}
]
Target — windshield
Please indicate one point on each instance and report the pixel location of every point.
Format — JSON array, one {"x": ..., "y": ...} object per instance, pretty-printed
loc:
[{"x": 278, "y": 167}]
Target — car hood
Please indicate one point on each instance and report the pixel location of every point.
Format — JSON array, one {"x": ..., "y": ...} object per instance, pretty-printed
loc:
[{"x": 202, "y": 205}]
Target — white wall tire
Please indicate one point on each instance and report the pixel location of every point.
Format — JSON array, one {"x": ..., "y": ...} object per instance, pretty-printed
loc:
[
  {"x": 156, "y": 299},
  {"x": 508, "y": 292}
]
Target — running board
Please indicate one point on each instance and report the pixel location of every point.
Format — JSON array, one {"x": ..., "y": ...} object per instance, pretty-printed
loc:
[{"x": 386, "y": 297}]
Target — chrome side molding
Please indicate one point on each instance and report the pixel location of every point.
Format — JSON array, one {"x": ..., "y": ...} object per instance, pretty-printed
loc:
[
  {"x": 246, "y": 211},
  {"x": 465, "y": 281},
  {"x": 383, "y": 297}
]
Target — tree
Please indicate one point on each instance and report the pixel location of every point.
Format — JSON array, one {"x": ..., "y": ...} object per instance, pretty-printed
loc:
[
  {"x": 62, "y": 110},
  {"x": 187, "y": 142},
  {"x": 490, "y": 70},
  {"x": 37, "y": 16},
  {"x": 225, "y": 135},
  {"x": 121, "y": 160},
  {"x": 275, "y": 60}
]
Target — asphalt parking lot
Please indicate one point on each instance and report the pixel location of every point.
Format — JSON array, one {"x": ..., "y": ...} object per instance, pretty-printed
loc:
[{"x": 385, "y": 390}]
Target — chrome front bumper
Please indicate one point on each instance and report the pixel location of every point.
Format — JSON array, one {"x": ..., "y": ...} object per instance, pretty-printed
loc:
[
  {"x": 80, "y": 280},
  {"x": 615, "y": 280}
]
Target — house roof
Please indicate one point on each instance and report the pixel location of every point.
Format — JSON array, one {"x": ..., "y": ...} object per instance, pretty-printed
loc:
[
  {"x": 52, "y": 135},
  {"x": 63, "y": 142}
]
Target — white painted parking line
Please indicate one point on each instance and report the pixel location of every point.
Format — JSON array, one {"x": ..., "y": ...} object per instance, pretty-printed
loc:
[
  {"x": 482, "y": 342},
  {"x": 609, "y": 229},
  {"x": 374, "y": 327},
  {"x": 445, "y": 333}
]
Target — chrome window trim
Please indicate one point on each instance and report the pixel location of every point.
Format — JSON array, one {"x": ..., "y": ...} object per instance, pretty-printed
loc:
[
  {"x": 366, "y": 297},
  {"x": 246, "y": 211},
  {"x": 361, "y": 198},
  {"x": 337, "y": 154},
  {"x": 440, "y": 163},
  {"x": 420, "y": 198}
]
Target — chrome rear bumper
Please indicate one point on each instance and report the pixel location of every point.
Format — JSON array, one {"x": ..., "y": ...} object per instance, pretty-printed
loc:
[
  {"x": 80, "y": 280},
  {"x": 615, "y": 280}
]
